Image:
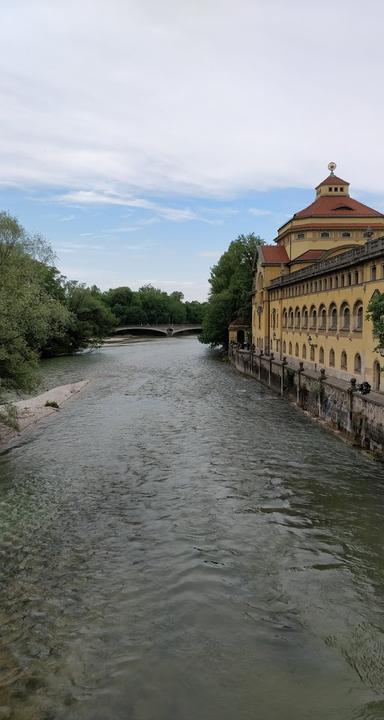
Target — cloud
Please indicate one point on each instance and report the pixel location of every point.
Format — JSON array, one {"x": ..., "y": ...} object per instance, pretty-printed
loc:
[
  {"x": 67, "y": 218},
  {"x": 259, "y": 212},
  {"x": 210, "y": 253},
  {"x": 187, "y": 97},
  {"x": 109, "y": 197}
]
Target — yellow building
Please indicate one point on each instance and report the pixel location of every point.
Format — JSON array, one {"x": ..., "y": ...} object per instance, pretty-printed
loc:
[{"x": 312, "y": 287}]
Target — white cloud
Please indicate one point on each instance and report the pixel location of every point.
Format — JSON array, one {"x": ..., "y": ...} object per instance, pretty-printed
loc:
[
  {"x": 92, "y": 197},
  {"x": 210, "y": 253},
  {"x": 190, "y": 97},
  {"x": 259, "y": 212},
  {"x": 67, "y": 218}
]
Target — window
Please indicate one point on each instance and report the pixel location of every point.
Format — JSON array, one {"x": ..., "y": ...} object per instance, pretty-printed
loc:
[
  {"x": 373, "y": 272},
  {"x": 312, "y": 353},
  {"x": 305, "y": 318},
  {"x": 300, "y": 236},
  {"x": 330, "y": 189},
  {"x": 336, "y": 281},
  {"x": 332, "y": 358},
  {"x": 324, "y": 234},
  {"x": 304, "y": 353},
  {"x": 342, "y": 281},
  {"x": 297, "y": 350},
  {"x": 343, "y": 361},
  {"x": 284, "y": 346},
  {"x": 321, "y": 356},
  {"x": 357, "y": 364},
  {"x": 349, "y": 279},
  {"x": 345, "y": 317},
  {"x": 341, "y": 189},
  {"x": 290, "y": 318},
  {"x": 297, "y": 318},
  {"x": 313, "y": 318},
  {"x": 290, "y": 349},
  {"x": 322, "y": 318},
  {"x": 273, "y": 319},
  {"x": 356, "y": 278},
  {"x": 358, "y": 316},
  {"x": 285, "y": 317},
  {"x": 368, "y": 233},
  {"x": 333, "y": 317},
  {"x": 346, "y": 234}
]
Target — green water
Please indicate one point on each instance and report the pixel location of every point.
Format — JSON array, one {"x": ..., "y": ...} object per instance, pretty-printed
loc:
[{"x": 179, "y": 544}]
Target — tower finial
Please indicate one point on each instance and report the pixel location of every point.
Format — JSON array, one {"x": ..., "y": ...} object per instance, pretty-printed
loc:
[{"x": 332, "y": 167}]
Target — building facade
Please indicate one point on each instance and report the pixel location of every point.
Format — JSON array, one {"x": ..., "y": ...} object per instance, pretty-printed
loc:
[{"x": 312, "y": 287}]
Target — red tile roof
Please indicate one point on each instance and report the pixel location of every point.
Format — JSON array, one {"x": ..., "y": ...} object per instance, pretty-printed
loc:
[
  {"x": 333, "y": 180},
  {"x": 273, "y": 254},
  {"x": 341, "y": 206},
  {"x": 309, "y": 255},
  {"x": 238, "y": 322}
]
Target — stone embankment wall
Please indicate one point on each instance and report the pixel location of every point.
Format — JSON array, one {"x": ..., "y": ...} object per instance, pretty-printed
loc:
[{"x": 338, "y": 403}]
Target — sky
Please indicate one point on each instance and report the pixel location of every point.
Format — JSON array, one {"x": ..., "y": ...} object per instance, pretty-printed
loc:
[{"x": 142, "y": 136}]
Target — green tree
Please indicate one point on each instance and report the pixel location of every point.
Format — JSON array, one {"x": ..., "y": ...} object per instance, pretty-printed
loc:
[
  {"x": 90, "y": 321},
  {"x": 28, "y": 313},
  {"x": 231, "y": 285},
  {"x": 375, "y": 313}
]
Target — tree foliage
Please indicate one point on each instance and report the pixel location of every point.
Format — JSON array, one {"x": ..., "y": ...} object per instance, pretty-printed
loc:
[
  {"x": 28, "y": 312},
  {"x": 231, "y": 285},
  {"x": 375, "y": 313}
]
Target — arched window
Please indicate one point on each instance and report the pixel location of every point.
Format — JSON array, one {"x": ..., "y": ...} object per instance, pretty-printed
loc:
[
  {"x": 284, "y": 346},
  {"x": 273, "y": 319},
  {"x": 305, "y": 318},
  {"x": 332, "y": 317},
  {"x": 304, "y": 353},
  {"x": 297, "y": 349},
  {"x": 357, "y": 363},
  {"x": 331, "y": 358},
  {"x": 312, "y": 353},
  {"x": 343, "y": 361},
  {"x": 290, "y": 349},
  {"x": 358, "y": 315},
  {"x": 322, "y": 318},
  {"x": 321, "y": 356},
  {"x": 345, "y": 316},
  {"x": 285, "y": 318},
  {"x": 313, "y": 318},
  {"x": 290, "y": 318},
  {"x": 297, "y": 318},
  {"x": 376, "y": 376}
]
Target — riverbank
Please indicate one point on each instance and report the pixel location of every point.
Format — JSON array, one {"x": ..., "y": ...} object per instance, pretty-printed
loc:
[{"x": 30, "y": 411}]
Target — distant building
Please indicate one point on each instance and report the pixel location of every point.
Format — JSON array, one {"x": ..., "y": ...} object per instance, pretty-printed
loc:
[{"x": 312, "y": 287}]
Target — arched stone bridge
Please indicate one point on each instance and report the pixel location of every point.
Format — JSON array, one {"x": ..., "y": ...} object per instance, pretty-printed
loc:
[{"x": 167, "y": 330}]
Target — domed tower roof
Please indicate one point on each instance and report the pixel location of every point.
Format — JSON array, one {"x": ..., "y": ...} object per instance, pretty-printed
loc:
[{"x": 333, "y": 200}]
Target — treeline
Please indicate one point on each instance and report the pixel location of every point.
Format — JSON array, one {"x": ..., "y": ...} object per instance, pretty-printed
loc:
[
  {"x": 149, "y": 305},
  {"x": 230, "y": 295},
  {"x": 43, "y": 314}
]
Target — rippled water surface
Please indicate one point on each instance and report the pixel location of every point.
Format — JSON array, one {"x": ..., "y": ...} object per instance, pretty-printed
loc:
[{"x": 180, "y": 544}]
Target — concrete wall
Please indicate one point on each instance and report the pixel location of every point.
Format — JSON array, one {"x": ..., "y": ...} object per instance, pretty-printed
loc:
[{"x": 359, "y": 417}]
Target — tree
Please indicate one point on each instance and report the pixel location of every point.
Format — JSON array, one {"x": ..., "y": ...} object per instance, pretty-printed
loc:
[
  {"x": 231, "y": 285},
  {"x": 375, "y": 313},
  {"x": 28, "y": 312},
  {"x": 90, "y": 321}
]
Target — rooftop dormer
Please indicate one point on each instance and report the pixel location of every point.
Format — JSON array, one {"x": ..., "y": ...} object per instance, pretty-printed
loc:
[{"x": 332, "y": 185}]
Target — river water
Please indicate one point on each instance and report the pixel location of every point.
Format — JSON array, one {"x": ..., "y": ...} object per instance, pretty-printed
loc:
[{"x": 180, "y": 544}]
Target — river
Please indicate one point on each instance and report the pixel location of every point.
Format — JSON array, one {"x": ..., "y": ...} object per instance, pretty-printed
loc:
[{"x": 178, "y": 543}]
